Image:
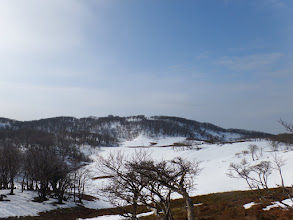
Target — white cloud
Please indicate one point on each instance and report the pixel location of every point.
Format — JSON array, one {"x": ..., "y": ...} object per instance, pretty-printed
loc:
[
  {"x": 34, "y": 26},
  {"x": 46, "y": 42},
  {"x": 51, "y": 42}
]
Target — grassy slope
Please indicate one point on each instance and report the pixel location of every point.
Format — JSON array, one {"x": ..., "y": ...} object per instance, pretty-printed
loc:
[{"x": 222, "y": 206}]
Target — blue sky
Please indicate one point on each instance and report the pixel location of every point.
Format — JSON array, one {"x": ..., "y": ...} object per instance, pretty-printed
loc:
[{"x": 227, "y": 62}]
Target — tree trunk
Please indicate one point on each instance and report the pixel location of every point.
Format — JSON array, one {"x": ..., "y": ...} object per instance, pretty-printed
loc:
[
  {"x": 74, "y": 186},
  {"x": 189, "y": 205},
  {"x": 282, "y": 181},
  {"x": 43, "y": 191},
  {"x": 166, "y": 208},
  {"x": 60, "y": 197},
  {"x": 22, "y": 184},
  {"x": 134, "y": 209},
  {"x": 12, "y": 186}
]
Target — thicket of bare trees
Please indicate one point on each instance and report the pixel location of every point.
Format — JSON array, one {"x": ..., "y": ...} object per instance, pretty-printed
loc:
[
  {"x": 257, "y": 175},
  {"x": 10, "y": 165},
  {"x": 141, "y": 180},
  {"x": 41, "y": 162}
]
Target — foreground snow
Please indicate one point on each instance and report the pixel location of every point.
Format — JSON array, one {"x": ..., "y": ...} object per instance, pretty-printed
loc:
[
  {"x": 215, "y": 161},
  {"x": 21, "y": 204}
]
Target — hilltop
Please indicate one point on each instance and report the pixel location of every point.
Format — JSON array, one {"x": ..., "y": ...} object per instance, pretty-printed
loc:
[{"x": 111, "y": 130}]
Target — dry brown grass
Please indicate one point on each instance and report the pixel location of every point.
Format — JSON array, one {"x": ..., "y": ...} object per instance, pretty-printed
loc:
[
  {"x": 218, "y": 206},
  {"x": 228, "y": 205}
]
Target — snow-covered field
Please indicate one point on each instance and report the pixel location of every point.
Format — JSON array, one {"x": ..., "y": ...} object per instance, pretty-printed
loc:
[{"x": 215, "y": 161}]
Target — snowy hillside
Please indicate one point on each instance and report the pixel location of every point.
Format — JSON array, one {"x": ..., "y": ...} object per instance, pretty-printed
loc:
[
  {"x": 214, "y": 163},
  {"x": 111, "y": 130}
]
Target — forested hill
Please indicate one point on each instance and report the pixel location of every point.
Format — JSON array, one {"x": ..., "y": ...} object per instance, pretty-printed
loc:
[{"x": 110, "y": 130}]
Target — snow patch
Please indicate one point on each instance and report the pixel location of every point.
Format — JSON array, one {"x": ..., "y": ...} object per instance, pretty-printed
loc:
[
  {"x": 144, "y": 141},
  {"x": 104, "y": 217},
  {"x": 116, "y": 217},
  {"x": 249, "y": 205},
  {"x": 280, "y": 205},
  {"x": 21, "y": 204}
]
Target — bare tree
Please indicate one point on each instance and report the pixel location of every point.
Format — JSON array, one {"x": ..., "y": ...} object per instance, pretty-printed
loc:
[
  {"x": 10, "y": 163},
  {"x": 261, "y": 149},
  {"x": 155, "y": 195},
  {"x": 182, "y": 178},
  {"x": 158, "y": 198},
  {"x": 262, "y": 171},
  {"x": 125, "y": 186},
  {"x": 80, "y": 178},
  {"x": 60, "y": 179},
  {"x": 4, "y": 173},
  {"x": 48, "y": 171},
  {"x": 257, "y": 177},
  {"x": 240, "y": 171},
  {"x": 253, "y": 148},
  {"x": 274, "y": 146},
  {"x": 177, "y": 175},
  {"x": 286, "y": 138},
  {"x": 140, "y": 179},
  {"x": 278, "y": 164},
  {"x": 288, "y": 126}
]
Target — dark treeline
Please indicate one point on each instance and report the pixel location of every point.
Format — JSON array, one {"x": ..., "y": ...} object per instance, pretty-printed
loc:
[
  {"x": 40, "y": 161},
  {"x": 286, "y": 138},
  {"x": 107, "y": 131}
]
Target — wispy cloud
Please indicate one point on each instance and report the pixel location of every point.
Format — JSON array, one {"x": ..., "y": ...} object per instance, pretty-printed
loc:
[
  {"x": 254, "y": 62},
  {"x": 276, "y": 3},
  {"x": 203, "y": 56}
]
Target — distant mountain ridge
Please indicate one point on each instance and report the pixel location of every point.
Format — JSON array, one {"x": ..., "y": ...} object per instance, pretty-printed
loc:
[{"x": 112, "y": 129}]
